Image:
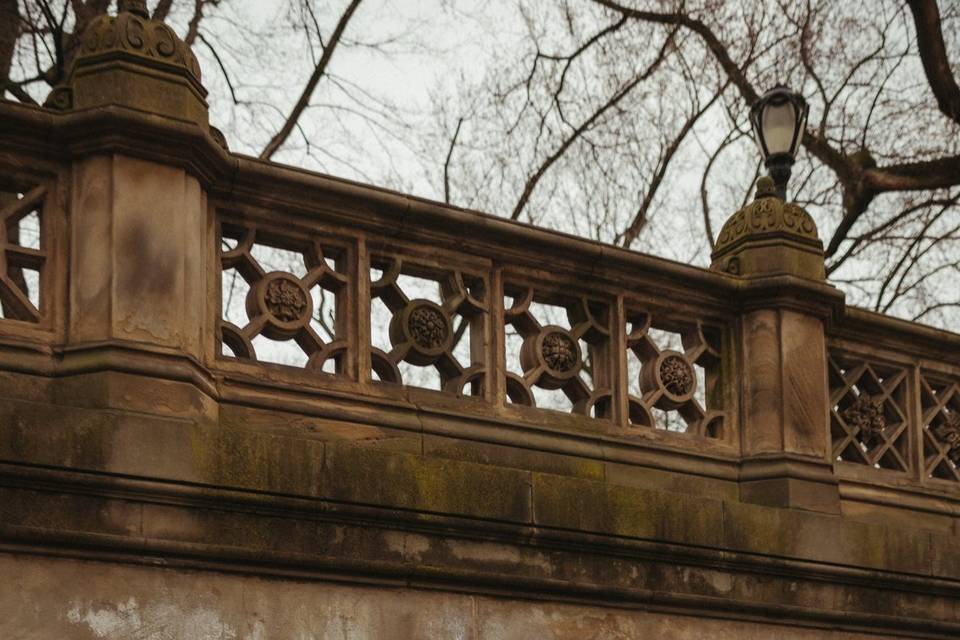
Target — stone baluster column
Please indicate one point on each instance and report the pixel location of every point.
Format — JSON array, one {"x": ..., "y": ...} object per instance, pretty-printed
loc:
[{"x": 774, "y": 248}]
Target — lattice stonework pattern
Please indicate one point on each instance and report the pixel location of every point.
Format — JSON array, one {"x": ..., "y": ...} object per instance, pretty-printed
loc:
[
  {"x": 868, "y": 416},
  {"x": 281, "y": 302},
  {"x": 573, "y": 359},
  {"x": 24, "y": 244},
  {"x": 940, "y": 412},
  {"x": 435, "y": 328},
  {"x": 678, "y": 384}
]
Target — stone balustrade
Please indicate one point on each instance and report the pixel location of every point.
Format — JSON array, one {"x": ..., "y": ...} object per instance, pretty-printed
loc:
[{"x": 236, "y": 368}]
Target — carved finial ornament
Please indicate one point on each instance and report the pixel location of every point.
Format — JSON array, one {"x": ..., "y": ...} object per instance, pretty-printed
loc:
[
  {"x": 136, "y": 7},
  {"x": 766, "y": 188},
  {"x": 769, "y": 236},
  {"x": 133, "y": 33},
  {"x": 132, "y": 61},
  {"x": 767, "y": 214}
]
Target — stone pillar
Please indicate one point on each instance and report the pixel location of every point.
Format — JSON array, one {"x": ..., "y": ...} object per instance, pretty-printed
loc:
[
  {"x": 139, "y": 222},
  {"x": 774, "y": 248},
  {"x": 139, "y": 228}
]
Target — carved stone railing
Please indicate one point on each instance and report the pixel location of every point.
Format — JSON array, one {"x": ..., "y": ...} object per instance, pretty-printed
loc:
[
  {"x": 319, "y": 291},
  {"x": 455, "y": 311},
  {"x": 895, "y": 402},
  {"x": 277, "y": 287}
]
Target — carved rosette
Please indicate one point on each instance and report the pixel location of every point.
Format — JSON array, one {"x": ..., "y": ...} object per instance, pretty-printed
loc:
[
  {"x": 424, "y": 329},
  {"x": 554, "y": 353},
  {"x": 428, "y": 327},
  {"x": 947, "y": 434},
  {"x": 866, "y": 415},
  {"x": 284, "y": 303},
  {"x": 132, "y": 33},
  {"x": 677, "y": 376},
  {"x": 671, "y": 376},
  {"x": 559, "y": 351},
  {"x": 285, "y": 300}
]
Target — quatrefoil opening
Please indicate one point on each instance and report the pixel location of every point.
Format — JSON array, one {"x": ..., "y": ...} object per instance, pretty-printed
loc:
[
  {"x": 565, "y": 368},
  {"x": 280, "y": 299}
]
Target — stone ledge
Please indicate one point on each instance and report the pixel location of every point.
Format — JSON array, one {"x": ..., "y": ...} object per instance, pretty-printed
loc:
[
  {"x": 89, "y": 599},
  {"x": 138, "y": 521},
  {"x": 386, "y": 469},
  {"x": 361, "y": 476}
]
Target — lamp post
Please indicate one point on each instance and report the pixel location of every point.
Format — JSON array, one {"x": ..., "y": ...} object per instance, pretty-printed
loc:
[{"x": 779, "y": 118}]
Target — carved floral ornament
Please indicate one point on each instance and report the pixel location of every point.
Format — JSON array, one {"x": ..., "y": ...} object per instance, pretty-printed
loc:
[
  {"x": 866, "y": 414},
  {"x": 948, "y": 434},
  {"x": 677, "y": 375},
  {"x": 285, "y": 300},
  {"x": 428, "y": 327},
  {"x": 559, "y": 351}
]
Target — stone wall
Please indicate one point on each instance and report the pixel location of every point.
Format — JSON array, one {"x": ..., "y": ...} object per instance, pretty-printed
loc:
[
  {"x": 87, "y": 600},
  {"x": 545, "y": 438}
]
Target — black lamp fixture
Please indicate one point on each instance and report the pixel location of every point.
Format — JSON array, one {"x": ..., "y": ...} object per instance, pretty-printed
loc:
[{"x": 779, "y": 119}]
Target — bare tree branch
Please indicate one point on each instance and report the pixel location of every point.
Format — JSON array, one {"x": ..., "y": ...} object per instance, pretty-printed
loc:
[
  {"x": 636, "y": 225},
  {"x": 535, "y": 178},
  {"x": 9, "y": 32},
  {"x": 162, "y": 10},
  {"x": 223, "y": 69},
  {"x": 933, "y": 55},
  {"x": 288, "y": 126},
  {"x": 446, "y": 162}
]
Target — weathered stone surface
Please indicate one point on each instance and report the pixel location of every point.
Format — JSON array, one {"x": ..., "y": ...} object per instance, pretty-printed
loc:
[
  {"x": 81, "y": 600},
  {"x": 769, "y": 236},
  {"x": 137, "y": 254},
  {"x": 364, "y": 475}
]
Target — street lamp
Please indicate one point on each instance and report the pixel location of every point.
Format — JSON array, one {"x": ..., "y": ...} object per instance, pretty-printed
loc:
[{"x": 779, "y": 118}]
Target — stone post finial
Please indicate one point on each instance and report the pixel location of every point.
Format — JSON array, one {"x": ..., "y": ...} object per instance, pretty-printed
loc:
[
  {"x": 134, "y": 62},
  {"x": 769, "y": 236},
  {"x": 766, "y": 188},
  {"x": 136, "y": 7}
]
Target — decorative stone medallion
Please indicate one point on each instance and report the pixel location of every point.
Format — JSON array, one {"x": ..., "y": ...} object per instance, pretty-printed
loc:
[
  {"x": 285, "y": 299},
  {"x": 552, "y": 352},
  {"x": 677, "y": 375},
  {"x": 428, "y": 327},
  {"x": 867, "y": 416},
  {"x": 423, "y": 329},
  {"x": 559, "y": 351},
  {"x": 670, "y": 378},
  {"x": 948, "y": 434},
  {"x": 282, "y": 300}
]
